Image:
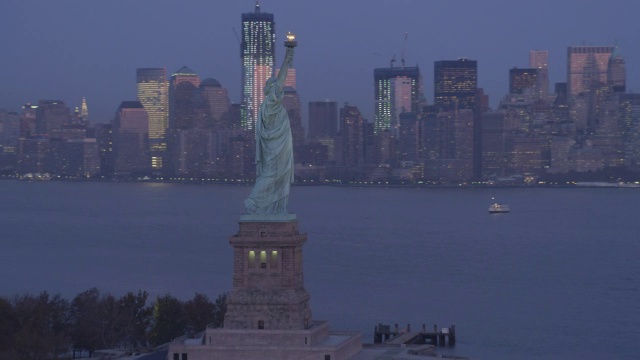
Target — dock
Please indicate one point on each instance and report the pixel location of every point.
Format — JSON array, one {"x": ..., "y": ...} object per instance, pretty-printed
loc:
[{"x": 385, "y": 334}]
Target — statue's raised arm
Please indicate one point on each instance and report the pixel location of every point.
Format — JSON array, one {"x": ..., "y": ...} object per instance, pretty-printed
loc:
[
  {"x": 286, "y": 65},
  {"x": 274, "y": 152}
]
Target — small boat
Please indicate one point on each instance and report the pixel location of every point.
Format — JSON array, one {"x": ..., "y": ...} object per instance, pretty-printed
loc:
[{"x": 496, "y": 207}]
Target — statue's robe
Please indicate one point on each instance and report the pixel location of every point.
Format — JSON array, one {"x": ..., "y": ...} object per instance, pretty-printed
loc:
[{"x": 274, "y": 156}]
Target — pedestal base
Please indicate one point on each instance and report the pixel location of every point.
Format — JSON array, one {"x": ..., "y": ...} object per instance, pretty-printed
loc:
[{"x": 315, "y": 343}]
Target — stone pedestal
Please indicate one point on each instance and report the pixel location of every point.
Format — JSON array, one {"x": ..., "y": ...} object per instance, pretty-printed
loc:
[
  {"x": 268, "y": 314},
  {"x": 268, "y": 289}
]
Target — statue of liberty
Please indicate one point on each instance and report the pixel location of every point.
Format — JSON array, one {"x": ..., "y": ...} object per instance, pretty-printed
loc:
[{"x": 274, "y": 148}]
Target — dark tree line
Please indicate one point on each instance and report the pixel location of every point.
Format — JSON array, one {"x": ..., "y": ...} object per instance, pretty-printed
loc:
[{"x": 42, "y": 327}]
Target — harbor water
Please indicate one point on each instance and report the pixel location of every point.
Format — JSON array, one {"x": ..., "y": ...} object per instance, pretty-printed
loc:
[{"x": 556, "y": 278}]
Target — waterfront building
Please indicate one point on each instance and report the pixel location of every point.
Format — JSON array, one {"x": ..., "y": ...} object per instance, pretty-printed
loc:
[
  {"x": 527, "y": 155},
  {"x": 32, "y": 154},
  {"x": 396, "y": 90},
  {"x": 131, "y": 139},
  {"x": 82, "y": 157},
  {"x": 194, "y": 153},
  {"x": 494, "y": 144},
  {"x": 455, "y": 84},
  {"x": 323, "y": 119},
  {"x": 449, "y": 145},
  {"x": 351, "y": 136},
  {"x": 104, "y": 138},
  {"x": 153, "y": 94},
  {"x": 257, "y": 53}
]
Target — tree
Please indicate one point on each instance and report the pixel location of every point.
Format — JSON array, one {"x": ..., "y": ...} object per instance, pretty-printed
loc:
[
  {"x": 220, "y": 310},
  {"x": 43, "y": 326},
  {"x": 87, "y": 320},
  {"x": 199, "y": 312},
  {"x": 111, "y": 333},
  {"x": 133, "y": 320},
  {"x": 8, "y": 328},
  {"x": 168, "y": 321}
]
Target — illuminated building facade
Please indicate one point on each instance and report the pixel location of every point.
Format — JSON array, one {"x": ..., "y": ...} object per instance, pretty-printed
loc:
[
  {"x": 84, "y": 111},
  {"x": 153, "y": 94},
  {"x": 257, "y": 53},
  {"x": 397, "y": 90},
  {"x": 587, "y": 68},
  {"x": 455, "y": 84},
  {"x": 522, "y": 81}
]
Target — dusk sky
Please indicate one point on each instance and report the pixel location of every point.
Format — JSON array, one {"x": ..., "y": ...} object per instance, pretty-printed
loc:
[{"x": 67, "y": 49}]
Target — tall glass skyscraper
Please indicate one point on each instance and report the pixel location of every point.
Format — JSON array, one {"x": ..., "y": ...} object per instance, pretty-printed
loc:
[
  {"x": 455, "y": 83},
  {"x": 397, "y": 90},
  {"x": 257, "y": 52},
  {"x": 153, "y": 94}
]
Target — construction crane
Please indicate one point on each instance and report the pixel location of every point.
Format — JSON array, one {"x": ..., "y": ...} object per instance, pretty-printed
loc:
[{"x": 404, "y": 48}]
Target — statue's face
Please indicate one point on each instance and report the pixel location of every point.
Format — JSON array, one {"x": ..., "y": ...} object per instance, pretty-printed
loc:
[{"x": 272, "y": 88}]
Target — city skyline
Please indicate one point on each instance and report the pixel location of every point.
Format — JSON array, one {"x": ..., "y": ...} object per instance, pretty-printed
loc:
[{"x": 95, "y": 60}]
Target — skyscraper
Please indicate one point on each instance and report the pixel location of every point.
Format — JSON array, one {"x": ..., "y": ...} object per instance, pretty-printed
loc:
[
  {"x": 131, "y": 137},
  {"x": 617, "y": 72},
  {"x": 522, "y": 81},
  {"x": 215, "y": 99},
  {"x": 351, "y": 137},
  {"x": 539, "y": 59},
  {"x": 323, "y": 119},
  {"x": 153, "y": 94},
  {"x": 51, "y": 115},
  {"x": 182, "y": 88},
  {"x": 587, "y": 68},
  {"x": 257, "y": 53},
  {"x": 455, "y": 83},
  {"x": 84, "y": 111},
  {"x": 397, "y": 90},
  {"x": 291, "y": 102}
]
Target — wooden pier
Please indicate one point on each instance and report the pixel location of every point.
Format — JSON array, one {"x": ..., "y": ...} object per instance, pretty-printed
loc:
[{"x": 384, "y": 334}]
